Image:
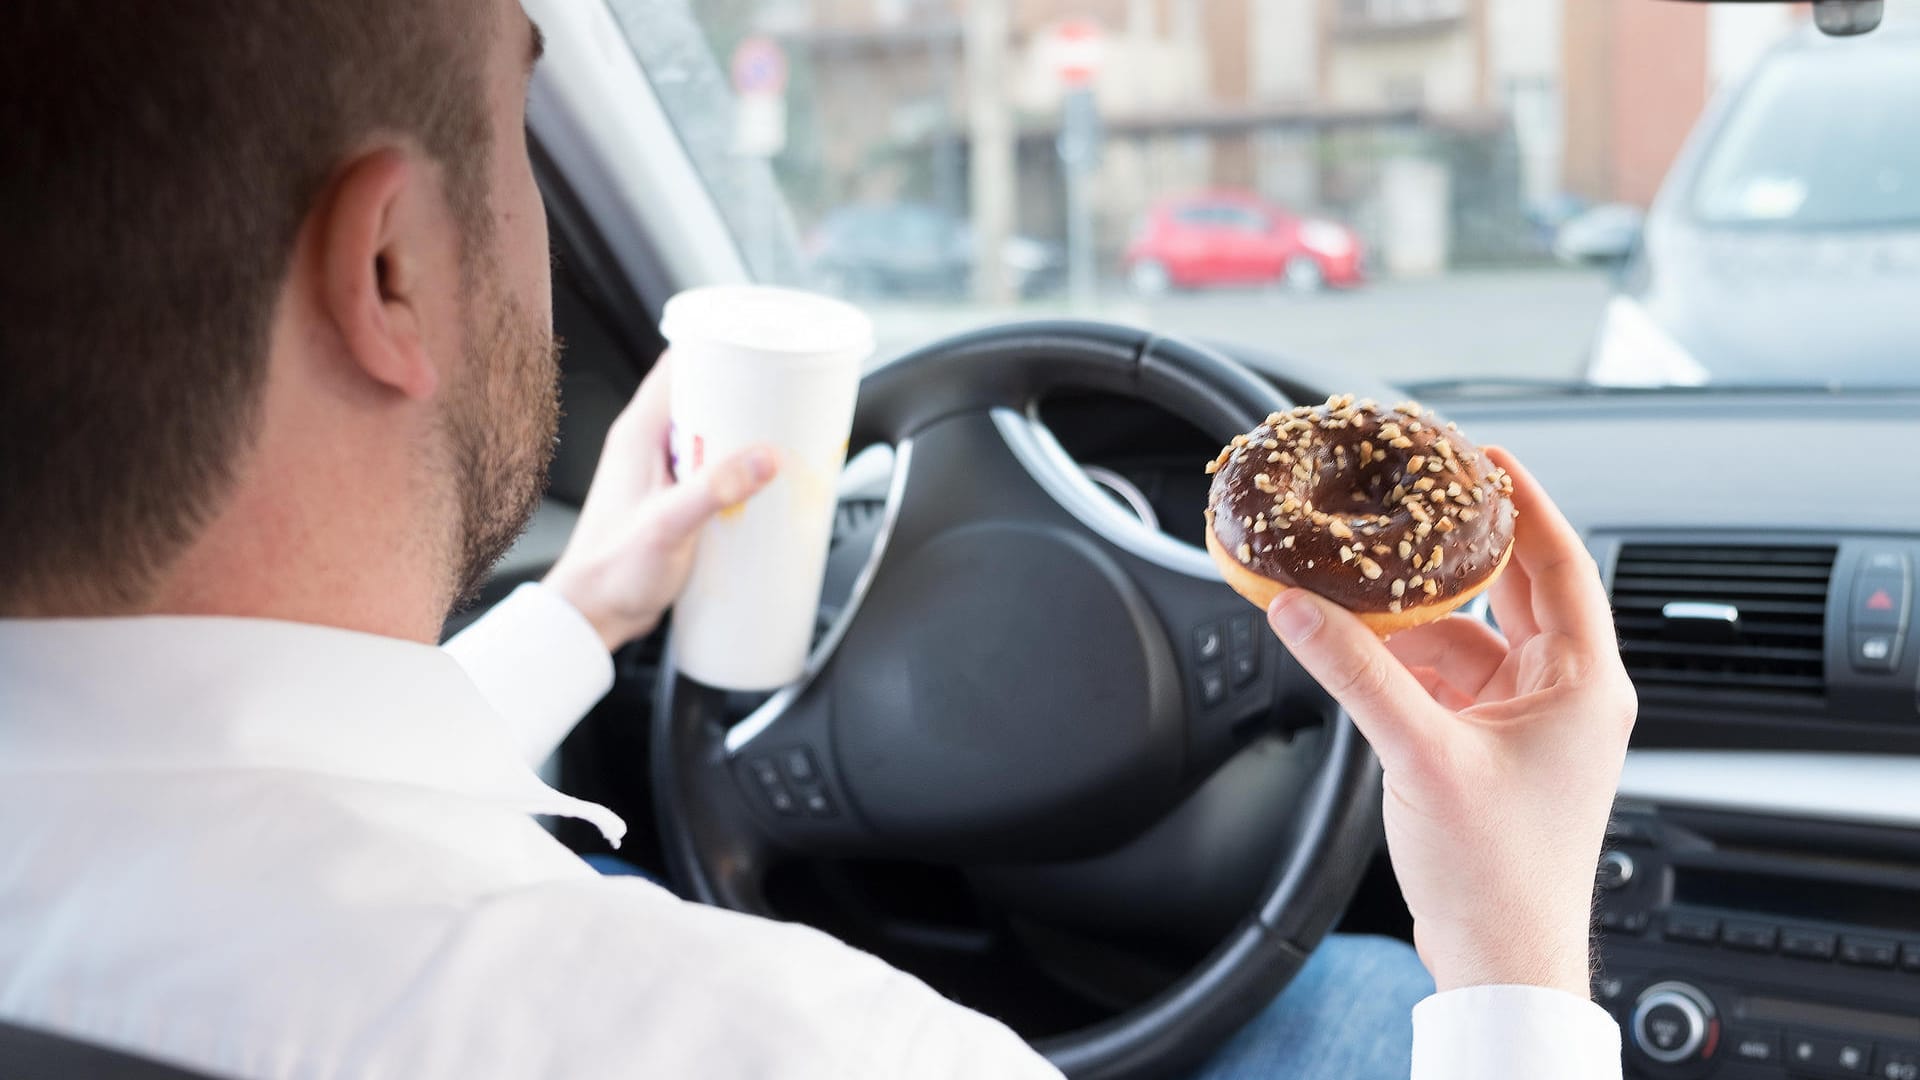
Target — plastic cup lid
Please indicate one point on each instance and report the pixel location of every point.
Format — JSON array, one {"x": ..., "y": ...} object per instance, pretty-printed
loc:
[{"x": 768, "y": 319}]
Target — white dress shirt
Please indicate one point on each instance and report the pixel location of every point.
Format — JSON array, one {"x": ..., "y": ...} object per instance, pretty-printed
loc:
[{"x": 263, "y": 849}]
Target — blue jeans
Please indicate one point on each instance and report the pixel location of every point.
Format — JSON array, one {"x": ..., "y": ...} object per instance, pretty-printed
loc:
[{"x": 1348, "y": 1015}]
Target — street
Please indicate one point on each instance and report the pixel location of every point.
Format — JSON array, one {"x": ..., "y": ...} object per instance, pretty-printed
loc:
[{"x": 1502, "y": 323}]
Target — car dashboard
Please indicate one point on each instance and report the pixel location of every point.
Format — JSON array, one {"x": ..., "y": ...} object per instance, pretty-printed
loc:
[{"x": 1759, "y": 898}]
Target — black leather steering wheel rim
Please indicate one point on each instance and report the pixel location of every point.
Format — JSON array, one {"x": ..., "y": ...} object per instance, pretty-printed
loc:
[{"x": 707, "y": 835}]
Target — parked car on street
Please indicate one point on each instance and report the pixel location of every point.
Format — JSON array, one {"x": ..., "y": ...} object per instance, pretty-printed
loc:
[
  {"x": 1787, "y": 234},
  {"x": 1238, "y": 238},
  {"x": 912, "y": 249}
]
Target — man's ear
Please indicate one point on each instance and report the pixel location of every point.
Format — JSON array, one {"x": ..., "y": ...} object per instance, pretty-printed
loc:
[{"x": 373, "y": 274}]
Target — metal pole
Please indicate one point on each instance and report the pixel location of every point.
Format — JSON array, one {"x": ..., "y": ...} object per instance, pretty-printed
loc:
[
  {"x": 1079, "y": 148},
  {"x": 990, "y": 126},
  {"x": 1080, "y": 283}
]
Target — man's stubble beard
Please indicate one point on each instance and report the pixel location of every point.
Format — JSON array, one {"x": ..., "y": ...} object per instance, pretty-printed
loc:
[{"x": 501, "y": 429}]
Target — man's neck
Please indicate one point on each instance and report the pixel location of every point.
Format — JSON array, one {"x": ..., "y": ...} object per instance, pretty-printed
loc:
[{"x": 336, "y": 536}]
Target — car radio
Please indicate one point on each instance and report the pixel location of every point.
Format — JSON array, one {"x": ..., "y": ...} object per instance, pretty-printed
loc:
[{"x": 1747, "y": 948}]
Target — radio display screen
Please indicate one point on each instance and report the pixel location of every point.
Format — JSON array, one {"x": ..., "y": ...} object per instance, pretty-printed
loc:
[{"x": 1784, "y": 897}]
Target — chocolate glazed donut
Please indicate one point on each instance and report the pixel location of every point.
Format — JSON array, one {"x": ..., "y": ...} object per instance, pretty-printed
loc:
[{"x": 1390, "y": 513}]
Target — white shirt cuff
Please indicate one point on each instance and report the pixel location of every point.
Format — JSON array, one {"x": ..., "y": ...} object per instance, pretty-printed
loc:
[
  {"x": 1513, "y": 1033},
  {"x": 539, "y": 663}
]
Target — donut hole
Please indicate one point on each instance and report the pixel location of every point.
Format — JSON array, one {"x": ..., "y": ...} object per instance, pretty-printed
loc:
[{"x": 1363, "y": 492}]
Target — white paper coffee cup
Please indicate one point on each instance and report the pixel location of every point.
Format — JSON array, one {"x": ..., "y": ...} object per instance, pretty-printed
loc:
[{"x": 756, "y": 364}]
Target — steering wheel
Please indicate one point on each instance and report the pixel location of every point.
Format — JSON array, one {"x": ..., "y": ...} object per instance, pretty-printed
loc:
[{"x": 1017, "y": 677}]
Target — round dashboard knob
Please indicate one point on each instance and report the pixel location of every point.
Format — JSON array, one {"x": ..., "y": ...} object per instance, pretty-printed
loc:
[
  {"x": 1616, "y": 869},
  {"x": 1674, "y": 1022}
]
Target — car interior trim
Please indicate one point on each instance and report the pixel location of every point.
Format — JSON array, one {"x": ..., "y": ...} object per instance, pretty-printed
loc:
[
  {"x": 1864, "y": 788},
  {"x": 627, "y": 165}
]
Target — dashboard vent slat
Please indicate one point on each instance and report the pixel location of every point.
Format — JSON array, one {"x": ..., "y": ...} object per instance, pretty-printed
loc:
[{"x": 1776, "y": 647}]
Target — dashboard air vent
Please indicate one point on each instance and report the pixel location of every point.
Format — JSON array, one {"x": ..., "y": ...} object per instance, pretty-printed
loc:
[{"x": 1723, "y": 620}]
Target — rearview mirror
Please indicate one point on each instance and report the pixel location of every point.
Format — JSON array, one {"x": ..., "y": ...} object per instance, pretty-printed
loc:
[{"x": 1603, "y": 236}]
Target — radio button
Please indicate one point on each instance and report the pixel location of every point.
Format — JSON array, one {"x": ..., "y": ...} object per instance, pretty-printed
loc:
[
  {"x": 1868, "y": 951},
  {"x": 1697, "y": 928},
  {"x": 1898, "y": 1065},
  {"x": 1624, "y": 922},
  {"x": 1754, "y": 1044},
  {"x": 1807, "y": 944},
  {"x": 1748, "y": 936},
  {"x": 1608, "y": 989},
  {"x": 1845, "y": 1057}
]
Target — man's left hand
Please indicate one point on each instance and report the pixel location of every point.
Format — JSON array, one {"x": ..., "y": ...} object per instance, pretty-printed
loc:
[{"x": 632, "y": 549}]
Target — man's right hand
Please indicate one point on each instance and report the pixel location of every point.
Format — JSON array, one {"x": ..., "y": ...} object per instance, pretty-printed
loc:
[{"x": 1501, "y": 755}]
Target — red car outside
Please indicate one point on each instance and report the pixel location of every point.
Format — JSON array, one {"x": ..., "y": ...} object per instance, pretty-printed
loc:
[{"x": 1237, "y": 238}]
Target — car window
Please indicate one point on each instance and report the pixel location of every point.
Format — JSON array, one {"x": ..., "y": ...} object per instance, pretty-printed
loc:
[
  {"x": 1464, "y": 184},
  {"x": 1820, "y": 144}
]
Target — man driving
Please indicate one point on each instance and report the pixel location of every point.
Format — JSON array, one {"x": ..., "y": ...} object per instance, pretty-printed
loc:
[{"x": 278, "y": 385}]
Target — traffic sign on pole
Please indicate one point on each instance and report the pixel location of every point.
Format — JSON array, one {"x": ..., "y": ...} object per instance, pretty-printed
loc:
[
  {"x": 1075, "y": 49},
  {"x": 760, "y": 98}
]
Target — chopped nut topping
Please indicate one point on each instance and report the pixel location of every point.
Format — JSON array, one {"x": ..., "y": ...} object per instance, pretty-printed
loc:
[
  {"x": 1425, "y": 483},
  {"x": 1469, "y": 514},
  {"x": 1246, "y": 553},
  {"x": 1213, "y": 466},
  {"x": 1446, "y": 525},
  {"x": 1399, "y": 587},
  {"x": 1287, "y": 541},
  {"x": 1264, "y": 483},
  {"x": 1416, "y": 463},
  {"x": 1260, "y": 526},
  {"x": 1346, "y": 553},
  {"x": 1339, "y": 528},
  {"x": 1406, "y": 549},
  {"x": 1370, "y": 568},
  {"x": 1402, "y": 443},
  {"x": 1273, "y": 457},
  {"x": 1432, "y": 588},
  {"x": 1382, "y": 550},
  {"x": 1393, "y": 606},
  {"x": 1433, "y": 563},
  {"x": 1271, "y": 444}
]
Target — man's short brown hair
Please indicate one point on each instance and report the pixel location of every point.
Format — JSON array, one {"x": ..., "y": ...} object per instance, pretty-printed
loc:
[{"x": 156, "y": 163}]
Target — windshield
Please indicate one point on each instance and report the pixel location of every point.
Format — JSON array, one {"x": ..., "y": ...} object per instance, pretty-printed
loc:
[
  {"x": 1818, "y": 144},
  {"x": 1441, "y": 193}
]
